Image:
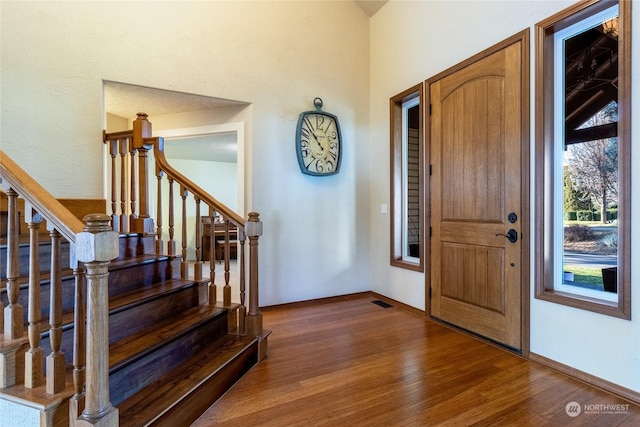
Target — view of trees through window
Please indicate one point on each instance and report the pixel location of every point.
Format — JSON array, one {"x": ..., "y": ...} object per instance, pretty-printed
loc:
[
  {"x": 583, "y": 161},
  {"x": 591, "y": 164}
]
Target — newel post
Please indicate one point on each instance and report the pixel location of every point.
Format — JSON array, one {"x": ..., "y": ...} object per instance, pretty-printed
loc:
[
  {"x": 96, "y": 246},
  {"x": 141, "y": 130},
  {"x": 253, "y": 230}
]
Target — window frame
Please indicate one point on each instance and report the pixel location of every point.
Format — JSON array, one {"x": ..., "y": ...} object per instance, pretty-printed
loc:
[
  {"x": 544, "y": 169},
  {"x": 397, "y": 172}
]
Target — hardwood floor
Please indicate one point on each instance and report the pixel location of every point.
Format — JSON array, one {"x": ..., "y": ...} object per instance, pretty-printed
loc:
[{"x": 354, "y": 363}]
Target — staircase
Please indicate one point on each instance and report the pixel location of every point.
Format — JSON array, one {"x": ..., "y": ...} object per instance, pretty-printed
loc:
[
  {"x": 171, "y": 355},
  {"x": 104, "y": 322}
]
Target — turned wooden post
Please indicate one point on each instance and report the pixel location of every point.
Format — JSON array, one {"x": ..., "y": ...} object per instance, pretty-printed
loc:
[
  {"x": 113, "y": 152},
  {"x": 159, "y": 244},
  {"x": 213, "y": 291},
  {"x": 96, "y": 246},
  {"x": 184, "y": 265},
  {"x": 76, "y": 403},
  {"x": 55, "y": 362},
  {"x": 253, "y": 230},
  {"x": 123, "y": 221},
  {"x": 34, "y": 357},
  {"x": 171, "y": 244},
  {"x": 197, "y": 267},
  {"x": 143, "y": 223},
  {"x": 13, "y": 313},
  {"x": 242, "y": 310}
]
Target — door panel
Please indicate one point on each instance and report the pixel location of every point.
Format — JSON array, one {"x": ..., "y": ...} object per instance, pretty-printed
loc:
[{"x": 475, "y": 143}]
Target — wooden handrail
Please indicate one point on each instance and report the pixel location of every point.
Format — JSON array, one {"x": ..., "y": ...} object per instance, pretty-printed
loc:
[
  {"x": 61, "y": 223},
  {"x": 42, "y": 201},
  {"x": 137, "y": 143},
  {"x": 193, "y": 188}
]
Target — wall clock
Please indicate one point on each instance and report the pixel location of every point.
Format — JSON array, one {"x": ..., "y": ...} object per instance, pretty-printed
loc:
[{"x": 318, "y": 142}]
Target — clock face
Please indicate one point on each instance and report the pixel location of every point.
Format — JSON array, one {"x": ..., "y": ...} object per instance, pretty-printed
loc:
[{"x": 318, "y": 143}]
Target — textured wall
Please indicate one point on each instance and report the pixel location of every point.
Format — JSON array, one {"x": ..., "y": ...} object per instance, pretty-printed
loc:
[{"x": 276, "y": 56}]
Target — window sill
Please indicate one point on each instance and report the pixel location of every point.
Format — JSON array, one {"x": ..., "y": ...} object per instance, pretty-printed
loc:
[{"x": 584, "y": 302}]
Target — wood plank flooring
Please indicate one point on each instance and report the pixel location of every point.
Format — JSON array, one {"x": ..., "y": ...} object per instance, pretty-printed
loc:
[{"x": 350, "y": 362}]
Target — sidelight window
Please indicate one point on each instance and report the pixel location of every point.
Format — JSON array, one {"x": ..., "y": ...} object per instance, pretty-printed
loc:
[
  {"x": 407, "y": 243},
  {"x": 583, "y": 143}
]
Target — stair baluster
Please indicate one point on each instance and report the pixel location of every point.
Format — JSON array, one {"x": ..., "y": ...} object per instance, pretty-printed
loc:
[
  {"x": 56, "y": 359},
  {"x": 213, "y": 291},
  {"x": 124, "y": 218},
  {"x": 132, "y": 188},
  {"x": 171, "y": 244},
  {"x": 226, "y": 290},
  {"x": 76, "y": 404},
  {"x": 113, "y": 152},
  {"x": 184, "y": 265},
  {"x": 159, "y": 242},
  {"x": 197, "y": 267},
  {"x": 242, "y": 310},
  {"x": 34, "y": 357},
  {"x": 13, "y": 313}
]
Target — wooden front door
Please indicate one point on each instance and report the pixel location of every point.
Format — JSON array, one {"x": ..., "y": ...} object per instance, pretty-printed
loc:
[{"x": 476, "y": 140}]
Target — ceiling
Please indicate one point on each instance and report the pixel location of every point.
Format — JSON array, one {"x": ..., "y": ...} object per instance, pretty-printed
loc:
[
  {"x": 125, "y": 100},
  {"x": 370, "y": 7}
]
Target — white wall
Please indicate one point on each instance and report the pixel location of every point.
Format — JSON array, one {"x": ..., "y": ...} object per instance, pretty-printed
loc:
[
  {"x": 323, "y": 236},
  {"x": 276, "y": 56},
  {"x": 434, "y": 35}
]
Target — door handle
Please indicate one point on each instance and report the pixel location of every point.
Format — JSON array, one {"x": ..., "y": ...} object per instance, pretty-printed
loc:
[{"x": 512, "y": 235}]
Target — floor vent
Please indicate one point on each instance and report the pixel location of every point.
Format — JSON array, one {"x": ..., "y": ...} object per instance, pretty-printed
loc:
[{"x": 382, "y": 304}]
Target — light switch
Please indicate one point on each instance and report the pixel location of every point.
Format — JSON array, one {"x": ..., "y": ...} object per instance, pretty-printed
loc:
[{"x": 383, "y": 208}]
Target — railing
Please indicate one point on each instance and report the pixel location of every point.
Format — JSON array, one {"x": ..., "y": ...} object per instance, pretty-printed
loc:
[
  {"x": 130, "y": 213},
  {"x": 89, "y": 265}
]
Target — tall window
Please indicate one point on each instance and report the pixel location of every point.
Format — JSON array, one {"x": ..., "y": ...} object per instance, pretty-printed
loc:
[
  {"x": 407, "y": 244},
  {"x": 583, "y": 144}
]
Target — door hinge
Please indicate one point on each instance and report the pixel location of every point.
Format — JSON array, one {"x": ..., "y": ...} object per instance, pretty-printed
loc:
[
  {"x": 430, "y": 232},
  {"x": 429, "y": 292},
  {"x": 430, "y": 170},
  {"x": 430, "y": 109}
]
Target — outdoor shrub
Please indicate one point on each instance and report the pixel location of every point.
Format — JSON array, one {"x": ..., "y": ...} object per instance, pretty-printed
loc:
[
  {"x": 584, "y": 216},
  {"x": 596, "y": 216},
  {"x": 612, "y": 214},
  {"x": 570, "y": 216},
  {"x": 578, "y": 233},
  {"x": 610, "y": 240}
]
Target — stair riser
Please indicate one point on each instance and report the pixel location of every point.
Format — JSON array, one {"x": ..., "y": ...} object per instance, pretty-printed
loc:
[
  {"x": 126, "y": 322},
  {"x": 44, "y": 254},
  {"x": 120, "y": 281},
  {"x": 195, "y": 404},
  {"x": 128, "y": 279},
  {"x": 134, "y": 377},
  {"x": 129, "y": 246},
  {"x": 135, "y": 319},
  {"x": 68, "y": 291},
  {"x": 133, "y": 245}
]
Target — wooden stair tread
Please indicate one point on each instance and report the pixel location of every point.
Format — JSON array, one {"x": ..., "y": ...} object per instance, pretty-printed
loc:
[
  {"x": 160, "y": 396},
  {"x": 121, "y": 352},
  {"x": 45, "y": 276},
  {"x": 149, "y": 292},
  {"x": 136, "y": 260},
  {"x": 125, "y": 300}
]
